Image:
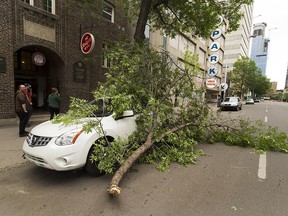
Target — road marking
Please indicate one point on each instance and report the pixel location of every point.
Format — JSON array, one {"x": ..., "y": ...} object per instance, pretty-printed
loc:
[
  {"x": 262, "y": 159},
  {"x": 262, "y": 167}
]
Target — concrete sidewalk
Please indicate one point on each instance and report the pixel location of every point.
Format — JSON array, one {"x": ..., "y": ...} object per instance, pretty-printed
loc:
[
  {"x": 11, "y": 144},
  {"x": 11, "y": 148}
]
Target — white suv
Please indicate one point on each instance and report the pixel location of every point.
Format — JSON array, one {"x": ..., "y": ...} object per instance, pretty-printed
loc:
[
  {"x": 231, "y": 103},
  {"x": 59, "y": 147}
]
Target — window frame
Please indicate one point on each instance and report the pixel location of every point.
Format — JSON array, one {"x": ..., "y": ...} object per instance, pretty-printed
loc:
[
  {"x": 104, "y": 12},
  {"x": 48, "y": 8},
  {"x": 30, "y": 2},
  {"x": 106, "y": 63}
]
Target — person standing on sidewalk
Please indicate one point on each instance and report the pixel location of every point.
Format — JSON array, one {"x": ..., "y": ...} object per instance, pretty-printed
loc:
[
  {"x": 22, "y": 106},
  {"x": 54, "y": 103},
  {"x": 28, "y": 93}
]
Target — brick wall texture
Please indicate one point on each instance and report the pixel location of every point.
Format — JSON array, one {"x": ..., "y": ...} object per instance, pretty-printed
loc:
[{"x": 69, "y": 22}]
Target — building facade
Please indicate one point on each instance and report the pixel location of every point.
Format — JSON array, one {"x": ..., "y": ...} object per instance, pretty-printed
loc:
[
  {"x": 259, "y": 48},
  {"x": 40, "y": 45},
  {"x": 237, "y": 43},
  {"x": 210, "y": 52}
]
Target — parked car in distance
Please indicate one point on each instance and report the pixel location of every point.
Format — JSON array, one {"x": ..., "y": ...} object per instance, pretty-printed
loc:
[
  {"x": 256, "y": 100},
  {"x": 62, "y": 148},
  {"x": 249, "y": 101},
  {"x": 231, "y": 103}
]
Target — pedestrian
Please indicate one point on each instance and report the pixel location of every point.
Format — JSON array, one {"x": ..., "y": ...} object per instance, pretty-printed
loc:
[
  {"x": 28, "y": 93},
  {"x": 219, "y": 100},
  {"x": 54, "y": 103},
  {"x": 22, "y": 106}
]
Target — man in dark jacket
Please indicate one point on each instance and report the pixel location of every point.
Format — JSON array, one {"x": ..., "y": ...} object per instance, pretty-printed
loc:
[{"x": 22, "y": 107}]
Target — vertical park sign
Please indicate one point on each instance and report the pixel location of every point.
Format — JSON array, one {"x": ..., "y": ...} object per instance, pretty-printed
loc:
[{"x": 214, "y": 57}]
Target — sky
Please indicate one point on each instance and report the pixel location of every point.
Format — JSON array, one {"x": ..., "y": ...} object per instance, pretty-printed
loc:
[{"x": 275, "y": 14}]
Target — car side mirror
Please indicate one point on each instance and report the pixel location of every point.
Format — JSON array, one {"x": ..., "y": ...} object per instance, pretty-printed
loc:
[{"x": 128, "y": 113}]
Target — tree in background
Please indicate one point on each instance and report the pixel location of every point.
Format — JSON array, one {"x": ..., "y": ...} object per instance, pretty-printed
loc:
[
  {"x": 246, "y": 76},
  {"x": 285, "y": 97},
  {"x": 243, "y": 75},
  {"x": 261, "y": 85}
]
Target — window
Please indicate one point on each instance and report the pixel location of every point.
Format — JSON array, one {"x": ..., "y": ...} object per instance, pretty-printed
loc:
[
  {"x": 174, "y": 42},
  {"x": 30, "y": 2},
  {"x": 201, "y": 55},
  {"x": 106, "y": 62},
  {"x": 258, "y": 32},
  {"x": 108, "y": 12},
  {"x": 49, "y": 6},
  {"x": 182, "y": 43},
  {"x": 191, "y": 47}
]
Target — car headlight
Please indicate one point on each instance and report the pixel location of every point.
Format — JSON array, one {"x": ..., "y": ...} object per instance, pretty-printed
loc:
[{"x": 68, "y": 138}]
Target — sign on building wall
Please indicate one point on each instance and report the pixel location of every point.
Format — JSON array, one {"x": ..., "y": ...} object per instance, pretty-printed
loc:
[
  {"x": 214, "y": 57},
  {"x": 87, "y": 43},
  {"x": 216, "y": 33},
  {"x": 38, "y": 59},
  {"x": 212, "y": 71},
  {"x": 79, "y": 72},
  {"x": 215, "y": 46},
  {"x": 211, "y": 83}
]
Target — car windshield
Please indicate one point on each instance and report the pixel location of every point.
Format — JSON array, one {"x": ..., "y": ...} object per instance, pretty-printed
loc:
[
  {"x": 231, "y": 99},
  {"x": 102, "y": 106}
]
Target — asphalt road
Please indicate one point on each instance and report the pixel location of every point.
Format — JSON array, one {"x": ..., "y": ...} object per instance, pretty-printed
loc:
[
  {"x": 227, "y": 181},
  {"x": 273, "y": 113}
]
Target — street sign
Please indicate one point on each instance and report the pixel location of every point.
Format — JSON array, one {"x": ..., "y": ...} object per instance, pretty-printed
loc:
[
  {"x": 87, "y": 43},
  {"x": 223, "y": 86},
  {"x": 211, "y": 83}
]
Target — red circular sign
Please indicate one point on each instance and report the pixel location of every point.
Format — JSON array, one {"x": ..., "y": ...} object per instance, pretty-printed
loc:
[{"x": 87, "y": 43}]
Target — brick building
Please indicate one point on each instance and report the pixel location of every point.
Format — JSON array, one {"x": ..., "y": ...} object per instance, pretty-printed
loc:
[{"x": 40, "y": 45}]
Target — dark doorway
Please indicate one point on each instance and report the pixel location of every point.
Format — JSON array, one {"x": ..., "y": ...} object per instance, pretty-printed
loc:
[{"x": 41, "y": 68}]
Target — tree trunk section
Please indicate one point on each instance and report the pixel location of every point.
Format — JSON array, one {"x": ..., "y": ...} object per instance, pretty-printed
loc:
[
  {"x": 114, "y": 189},
  {"x": 145, "y": 8}
]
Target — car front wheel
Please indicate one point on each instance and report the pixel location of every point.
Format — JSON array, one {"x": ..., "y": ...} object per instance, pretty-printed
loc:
[{"x": 91, "y": 167}]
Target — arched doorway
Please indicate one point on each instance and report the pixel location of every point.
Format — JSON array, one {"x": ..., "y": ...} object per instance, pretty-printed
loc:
[{"x": 40, "y": 67}]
